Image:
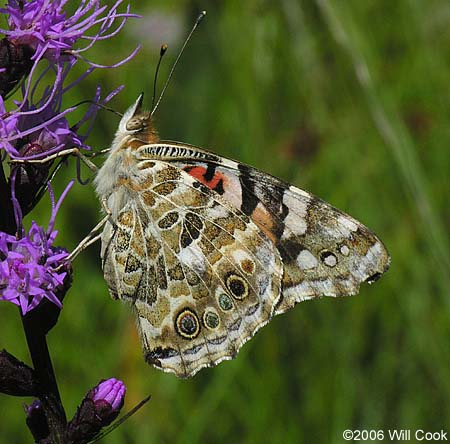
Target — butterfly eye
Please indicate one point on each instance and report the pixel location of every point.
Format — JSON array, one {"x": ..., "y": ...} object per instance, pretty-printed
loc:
[
  {"x": 211, "y": 319},
  {"x": 237, "y": 286},
  {"x": 187, "y": 324},
  {"x": 135, "y": 124}
]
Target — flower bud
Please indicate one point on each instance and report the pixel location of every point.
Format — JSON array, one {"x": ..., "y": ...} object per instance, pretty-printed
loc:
[
  {"x": 110, "y": 393},
  {"x": 98, "y": 409}
]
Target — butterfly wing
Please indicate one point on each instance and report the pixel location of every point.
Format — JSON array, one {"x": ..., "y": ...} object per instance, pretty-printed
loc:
[
  {"x": 200, "y": 274},
  {"x": 207, "y": 250},
  {"x": 325, "y": 252}
]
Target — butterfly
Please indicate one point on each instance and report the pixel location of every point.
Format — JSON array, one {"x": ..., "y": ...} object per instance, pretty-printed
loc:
[{"x": 208, "y": 250}]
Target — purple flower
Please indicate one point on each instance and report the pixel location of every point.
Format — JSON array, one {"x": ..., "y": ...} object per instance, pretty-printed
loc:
[
  {"x": 38, "y": 130},
  {"x": 44, "y": 26},
  {"x": 31, "y": 268},
  {"x": 8, "y": 125},
  {"x": 43, "y": 123},
  {"x": 39, "y": 134},
  {"x": 41, "y": 29}
]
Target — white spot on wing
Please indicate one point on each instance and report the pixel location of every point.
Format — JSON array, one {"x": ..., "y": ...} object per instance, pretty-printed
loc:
[
  {"x": 342, "y": 227},
  {"x": 345, "y": 250},
  {"x": 193, "y": 258},
  {"x": 296, "y": 190},
  {"x": 330, "y": 260},
  {"x": 368, "y": 262},
  {"x": 240, "y": 255},
  {"x": 295, "y": 221},
  {"x": 217, "y": 211},
  {"x": 306, "y": 260},
  {"x": 347, "y": 223}
]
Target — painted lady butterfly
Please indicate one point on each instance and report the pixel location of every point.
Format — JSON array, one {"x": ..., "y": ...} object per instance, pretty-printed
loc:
[{"x": 207, "y": 250}]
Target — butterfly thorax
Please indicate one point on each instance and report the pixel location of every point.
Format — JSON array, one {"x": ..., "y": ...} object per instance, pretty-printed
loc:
[{"x": 135, "y": 130}]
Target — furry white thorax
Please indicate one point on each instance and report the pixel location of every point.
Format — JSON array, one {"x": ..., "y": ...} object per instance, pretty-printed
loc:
[{"x": 114, "y": 167}]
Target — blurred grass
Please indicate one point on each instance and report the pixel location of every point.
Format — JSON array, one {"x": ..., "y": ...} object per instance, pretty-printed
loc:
[{"x": 349, "y": 100}]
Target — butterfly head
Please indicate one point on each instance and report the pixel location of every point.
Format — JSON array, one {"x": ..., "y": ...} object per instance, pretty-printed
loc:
[{"x": 135, "y": 127}]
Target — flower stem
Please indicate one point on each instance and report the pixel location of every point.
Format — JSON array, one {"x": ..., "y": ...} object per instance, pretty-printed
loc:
[{"x": 49, "y": 397}]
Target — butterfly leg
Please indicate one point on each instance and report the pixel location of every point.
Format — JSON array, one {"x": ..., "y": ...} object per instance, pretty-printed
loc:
[
  {"x": 74, "y": 151},
  {"x": 93, "y": 235},
  {"x": 91, "y": 238}
]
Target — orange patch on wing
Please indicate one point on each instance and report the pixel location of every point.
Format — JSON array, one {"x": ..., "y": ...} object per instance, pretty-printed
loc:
[
  {"x": 199, "y": 172},
  {"x": 248, "y": 266},
  {"x": 265, "y": 222}
]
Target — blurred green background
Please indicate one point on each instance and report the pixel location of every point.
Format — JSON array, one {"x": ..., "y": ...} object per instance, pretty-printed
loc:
[{"x": 347, "y": 99}]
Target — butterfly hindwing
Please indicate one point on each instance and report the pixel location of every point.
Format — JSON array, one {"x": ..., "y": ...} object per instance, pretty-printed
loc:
[{"x": 200, "y": 274}]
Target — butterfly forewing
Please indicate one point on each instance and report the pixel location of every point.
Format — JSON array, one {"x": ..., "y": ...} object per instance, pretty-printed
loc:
[{"x": 324, "y": 251}]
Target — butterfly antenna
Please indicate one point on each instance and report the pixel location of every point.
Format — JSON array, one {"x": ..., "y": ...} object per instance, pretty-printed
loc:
[
  {"x": 99, "y": 105},
  {"x": 161, "y": 55},
  {"x": 197, "y": 22}
]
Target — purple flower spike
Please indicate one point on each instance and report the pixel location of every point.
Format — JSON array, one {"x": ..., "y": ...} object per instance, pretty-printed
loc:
[
  {"x": 41, "y": 29},
  {"x": 44, "y": 26},
  {"x": 31, "y": 268}
]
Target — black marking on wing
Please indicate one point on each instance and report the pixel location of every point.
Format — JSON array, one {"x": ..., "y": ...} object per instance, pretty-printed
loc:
[
  {"x": 161, "y": 273},
  {"x": 252, "y": 309},
  {"x": 374, "y": 277},
  {"x": 153, "y": 357},
  {"x": 249, "y": 200},
  {"x": 218, "y": 340},
  {"x": 210, "y": 172},
  {"x": 219, "y": 187},
  {"x": 192, "y": 225},
  {"x": 235, "y": 325},
  {"x": 193, "y": 350},
  {"x": 290, "y": 248}
]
